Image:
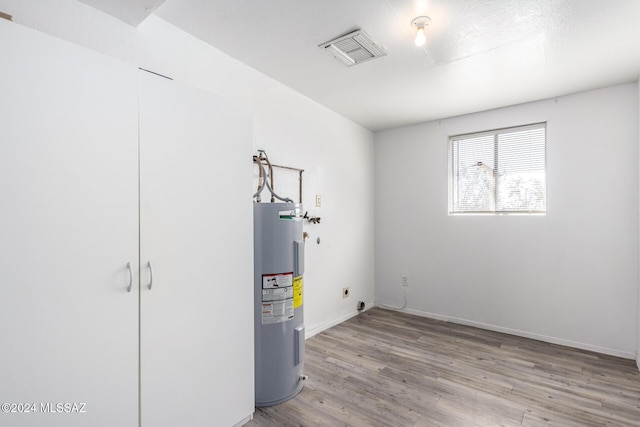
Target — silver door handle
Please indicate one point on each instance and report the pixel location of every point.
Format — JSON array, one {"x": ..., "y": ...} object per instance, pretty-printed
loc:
[
  {"x": 150, "y": 275},
  {"x": 130, "y": 277}
]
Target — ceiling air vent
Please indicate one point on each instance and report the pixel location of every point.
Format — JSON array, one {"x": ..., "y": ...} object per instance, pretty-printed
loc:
[{"x": 354, "y": 48}]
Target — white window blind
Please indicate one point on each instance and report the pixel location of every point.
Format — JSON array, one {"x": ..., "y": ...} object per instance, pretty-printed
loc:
[{"x": 501, "y": 171}]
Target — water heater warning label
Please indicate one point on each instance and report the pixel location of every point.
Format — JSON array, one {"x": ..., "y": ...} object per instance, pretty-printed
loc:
[
  {"x": 277, "y": 298},
  {"x": 277, "y": 281},
  {"x": 297, "y": 292}
]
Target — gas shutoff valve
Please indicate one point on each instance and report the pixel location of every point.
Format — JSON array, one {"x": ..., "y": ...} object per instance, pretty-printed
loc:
[{"x": 311, "y": 219}]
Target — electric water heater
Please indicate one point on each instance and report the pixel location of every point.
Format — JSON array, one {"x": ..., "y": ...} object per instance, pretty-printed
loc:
[{"x": 278, "y": 296}]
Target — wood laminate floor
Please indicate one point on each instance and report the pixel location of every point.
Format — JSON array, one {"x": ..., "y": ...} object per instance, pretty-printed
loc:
[{"x": 386, "y": 368}]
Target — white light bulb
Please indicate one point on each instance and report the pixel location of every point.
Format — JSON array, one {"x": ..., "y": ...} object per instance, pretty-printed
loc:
[{"x": 420, "y": 37}]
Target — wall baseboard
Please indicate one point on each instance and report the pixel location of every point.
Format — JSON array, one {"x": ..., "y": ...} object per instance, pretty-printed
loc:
[
  {"x": 525, "y": 334},
  {"x": 244, "y": 421},
  {"x": 316, "y": 329}
]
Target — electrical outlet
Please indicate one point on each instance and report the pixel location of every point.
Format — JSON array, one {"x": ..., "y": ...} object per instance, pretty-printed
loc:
[
  {"x": 405, "y": 281},
  {"x": 318, "y": 200},
  {"x": 345, "y": 292}
]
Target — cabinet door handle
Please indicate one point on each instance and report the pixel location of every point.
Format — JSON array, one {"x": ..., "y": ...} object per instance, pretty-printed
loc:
[
  {"x": 150, "y": 275},
  {"x": 130, "y": 277}
]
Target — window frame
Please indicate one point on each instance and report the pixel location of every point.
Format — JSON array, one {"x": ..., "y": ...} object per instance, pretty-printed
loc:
[{"x": 495, "y": 133}]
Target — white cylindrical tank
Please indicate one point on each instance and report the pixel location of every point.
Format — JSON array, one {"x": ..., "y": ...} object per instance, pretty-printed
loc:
[{"x": 278, "y": 301}]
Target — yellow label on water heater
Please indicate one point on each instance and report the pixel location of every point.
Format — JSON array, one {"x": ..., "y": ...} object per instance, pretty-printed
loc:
[{"x": 297, "y": 291}]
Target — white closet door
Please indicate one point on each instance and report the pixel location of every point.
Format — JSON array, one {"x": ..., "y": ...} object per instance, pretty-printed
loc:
[
  {"x": 68, "y": 227},
  {"x": 196, "y": 231}
]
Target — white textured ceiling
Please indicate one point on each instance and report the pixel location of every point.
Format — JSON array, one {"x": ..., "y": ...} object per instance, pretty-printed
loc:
[
  {"x": 132, "y": 12},
  {"x": 480, "y": 54}
]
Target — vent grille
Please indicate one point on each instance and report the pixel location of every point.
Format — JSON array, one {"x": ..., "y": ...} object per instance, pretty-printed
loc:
[{"x": 354, "y": 48}]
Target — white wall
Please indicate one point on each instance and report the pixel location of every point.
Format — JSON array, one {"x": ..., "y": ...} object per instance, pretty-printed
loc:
[
  {"x": 338, "y": 163},
  {"x": 569, "y": 277},
  {"x": 337, "y": 154},
  {"x": 638, "y": 308}
]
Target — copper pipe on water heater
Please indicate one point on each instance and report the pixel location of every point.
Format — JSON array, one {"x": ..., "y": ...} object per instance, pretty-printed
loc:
[{"x": 259, "y": 161}]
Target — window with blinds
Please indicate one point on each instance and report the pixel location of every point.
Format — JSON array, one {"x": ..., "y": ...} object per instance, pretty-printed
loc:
[{"x": 500, "y": 171}]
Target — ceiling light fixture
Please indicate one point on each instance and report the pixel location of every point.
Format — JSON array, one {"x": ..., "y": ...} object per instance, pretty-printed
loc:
[{"x": 420, "y": 22}]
